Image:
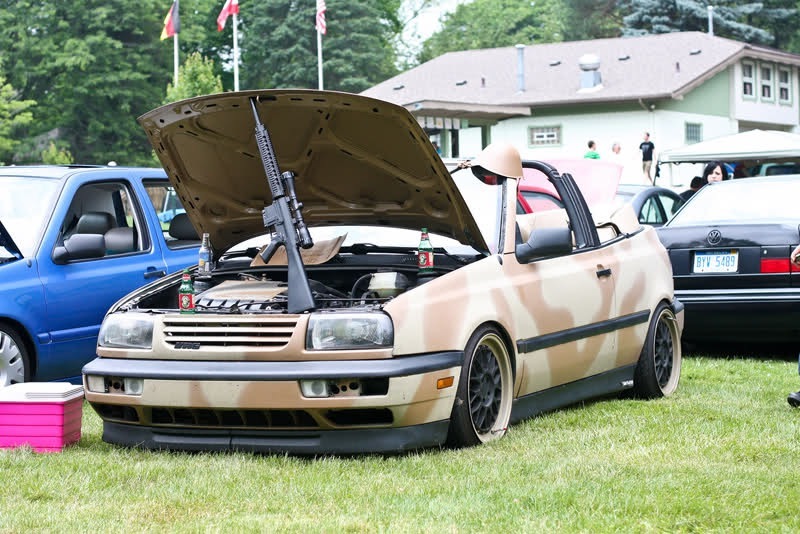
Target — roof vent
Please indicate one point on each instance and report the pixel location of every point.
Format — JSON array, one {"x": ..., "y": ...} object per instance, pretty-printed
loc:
[
  {"x": 462, "y": 82},
  {"x": 626, "y": 57},
  {"x": 520, "y": 67},
  {"x": 694, "y": 51},
  {"x": 590, "y": 72},
  {"x": 398, "y": 87},
  {"x": 555, "y": 63}
]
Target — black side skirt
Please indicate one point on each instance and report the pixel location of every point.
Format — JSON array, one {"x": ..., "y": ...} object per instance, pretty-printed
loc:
[{"x": 595, "y": 386}]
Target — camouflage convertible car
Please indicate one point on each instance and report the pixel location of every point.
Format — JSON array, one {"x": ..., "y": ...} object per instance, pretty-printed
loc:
[{"x": 332, "y": 333}]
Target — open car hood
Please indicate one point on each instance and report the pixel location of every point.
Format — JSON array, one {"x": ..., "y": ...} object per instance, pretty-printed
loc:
[{"x": 357, "y": 160}]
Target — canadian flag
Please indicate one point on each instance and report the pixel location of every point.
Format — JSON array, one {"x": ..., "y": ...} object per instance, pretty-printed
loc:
[{"x": 231, "y": 7}]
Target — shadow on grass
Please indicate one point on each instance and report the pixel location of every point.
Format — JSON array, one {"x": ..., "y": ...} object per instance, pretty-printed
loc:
[{"x": 757, "y": 351}]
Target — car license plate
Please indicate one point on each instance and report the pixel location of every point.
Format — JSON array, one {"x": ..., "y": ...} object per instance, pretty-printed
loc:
[{"x": 717, "y": 261}]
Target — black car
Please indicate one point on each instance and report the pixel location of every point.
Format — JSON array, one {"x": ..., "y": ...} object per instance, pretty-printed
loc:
[
  {"x": 652, "y": 204},
  {"x": 729, "y": 249}
]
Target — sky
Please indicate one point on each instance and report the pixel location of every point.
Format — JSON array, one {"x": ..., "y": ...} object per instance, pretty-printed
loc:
[{"x": 427, "y": 22}]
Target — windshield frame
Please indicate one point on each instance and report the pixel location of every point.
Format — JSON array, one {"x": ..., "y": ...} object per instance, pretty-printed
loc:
[{"x": 28, "y": 232}]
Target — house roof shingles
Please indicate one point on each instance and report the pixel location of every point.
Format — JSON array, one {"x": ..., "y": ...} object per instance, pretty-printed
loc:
[{"x": 657, "y": 66}]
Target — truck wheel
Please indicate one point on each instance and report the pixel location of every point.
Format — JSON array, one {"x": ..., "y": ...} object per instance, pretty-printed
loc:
[
  {"x": 659, "y": 367},
  {"x": 14, "y": 361},
  {"x": 482, "y": 406}
]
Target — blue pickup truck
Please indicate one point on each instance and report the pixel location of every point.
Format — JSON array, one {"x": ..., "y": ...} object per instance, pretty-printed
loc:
[{"x": 74, "y": 240}]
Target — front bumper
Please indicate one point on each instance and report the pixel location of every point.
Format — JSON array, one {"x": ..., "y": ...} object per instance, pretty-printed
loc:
[
  {"x": 259, "y": 406},
  {"x": 758, "y": 315}
]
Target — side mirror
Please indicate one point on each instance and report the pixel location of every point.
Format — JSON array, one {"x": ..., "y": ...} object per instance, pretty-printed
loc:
[
  {"x": 80, "y": 247},
  {"x": 544, "y": 242}
]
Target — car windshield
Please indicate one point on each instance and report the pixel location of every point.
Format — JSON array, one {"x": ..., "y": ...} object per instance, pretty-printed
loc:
[
  {"x": 741, "y": 201},
  {"x": 484, "y": 202},
  {"x": 25, "y": 204}
]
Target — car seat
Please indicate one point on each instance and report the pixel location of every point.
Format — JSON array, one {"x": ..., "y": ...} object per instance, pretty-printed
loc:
[
  {"x": 94, "y": 222},
  {"x": 120, "y": 240},
  {"x": 182, "y": 232}
]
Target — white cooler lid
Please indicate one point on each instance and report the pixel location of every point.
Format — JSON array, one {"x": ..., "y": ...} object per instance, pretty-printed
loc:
[{"x": 40, "y": 392}]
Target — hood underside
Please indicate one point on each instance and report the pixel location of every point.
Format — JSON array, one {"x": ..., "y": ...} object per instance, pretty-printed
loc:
[{"x": 357, "y": 161}]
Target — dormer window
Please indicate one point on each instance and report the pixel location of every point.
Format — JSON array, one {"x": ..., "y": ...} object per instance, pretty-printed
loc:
[
  {"x": 748, "y": 80},
  {"x": 784, "y": 85},
  {"x": 766, "y": 81}
]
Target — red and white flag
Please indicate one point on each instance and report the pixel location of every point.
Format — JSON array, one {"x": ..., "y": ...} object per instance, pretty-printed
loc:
[
  {"x": 231, "y": 7},
  {"x": 321, "y": 27}
]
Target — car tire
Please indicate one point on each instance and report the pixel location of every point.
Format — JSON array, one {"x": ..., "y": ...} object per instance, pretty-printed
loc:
[
  {"x": 14, "y": 361},
  {"x": 482, "y": 407},
  {"x": 659, "y": 367}
]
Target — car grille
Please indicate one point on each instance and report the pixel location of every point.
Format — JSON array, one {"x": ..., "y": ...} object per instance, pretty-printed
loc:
[
  {"x": 259, "y": 331},
  {"x": 208, "y": 418}
]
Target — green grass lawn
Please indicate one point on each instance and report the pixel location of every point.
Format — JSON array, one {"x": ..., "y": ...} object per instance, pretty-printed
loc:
[{"x": 722, "y": 455}]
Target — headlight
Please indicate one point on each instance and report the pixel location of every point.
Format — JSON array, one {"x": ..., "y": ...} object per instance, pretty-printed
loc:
[
  {"x": 338, "y": 331},
  {"x": 126, "y": 330}
]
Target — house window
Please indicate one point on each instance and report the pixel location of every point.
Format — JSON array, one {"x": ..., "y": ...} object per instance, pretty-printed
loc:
[
  {"x": 748, "y": 80},
  {"x": 765, "y": 72},
  {"x": 693, "y": 132},
  {"x": 784, "y": 86},
  {"x": 544, "y": 135}
]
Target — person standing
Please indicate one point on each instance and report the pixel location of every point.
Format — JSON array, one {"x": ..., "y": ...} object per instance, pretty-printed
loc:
[
  {"x": 647, "y": 148},
  {"x": 794, "y": 398},
  {"x": 592, "y": 152}
]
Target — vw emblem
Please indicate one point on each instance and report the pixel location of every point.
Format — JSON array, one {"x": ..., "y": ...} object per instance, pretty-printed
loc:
[{"x": 714, "y": 237}]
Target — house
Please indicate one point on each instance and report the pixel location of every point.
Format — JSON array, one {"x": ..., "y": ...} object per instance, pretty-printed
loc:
[{"x": 550, "y": 99}]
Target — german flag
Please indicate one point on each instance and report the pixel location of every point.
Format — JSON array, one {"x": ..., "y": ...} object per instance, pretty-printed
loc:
[{"x": 172, "y": 22}]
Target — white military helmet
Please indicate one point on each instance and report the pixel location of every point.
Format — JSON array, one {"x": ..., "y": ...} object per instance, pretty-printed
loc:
[{"x": 498, "y": 159}]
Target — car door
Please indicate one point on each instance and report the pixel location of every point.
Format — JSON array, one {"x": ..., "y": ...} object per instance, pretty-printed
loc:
[
  {"x": 179, "y": 243},
  {"x": 78, "y": 292},
  {"x": 571, "y": 299}
]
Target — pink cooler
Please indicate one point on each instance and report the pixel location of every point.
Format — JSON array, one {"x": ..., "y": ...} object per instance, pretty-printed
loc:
[{"x": 44, "y": 415}]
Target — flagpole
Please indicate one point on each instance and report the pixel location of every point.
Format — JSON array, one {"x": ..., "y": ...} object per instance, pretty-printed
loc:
[
  {"x": 235, "y": 55},
  {"x": 319, "y": 59},
  {"x": 175, "y": 59}
]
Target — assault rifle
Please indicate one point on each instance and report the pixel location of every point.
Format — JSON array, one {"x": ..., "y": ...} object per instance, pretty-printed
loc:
[{"x": 284, "y": 218}]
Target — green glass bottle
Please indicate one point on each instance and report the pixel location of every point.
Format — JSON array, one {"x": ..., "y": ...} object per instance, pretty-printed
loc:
[
  {"x": 425, "y": 254},
  {"x": 186, "y": 293}
]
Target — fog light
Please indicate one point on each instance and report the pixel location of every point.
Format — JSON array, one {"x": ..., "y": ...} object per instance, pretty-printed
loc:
[
  {"x": 96, "y": 383},
  {"x": 314, "y": 388},
  {"x": 134, "y": 386}
]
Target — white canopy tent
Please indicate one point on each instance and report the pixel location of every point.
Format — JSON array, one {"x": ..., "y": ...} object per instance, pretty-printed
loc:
[{"x": 751, "y": 147}]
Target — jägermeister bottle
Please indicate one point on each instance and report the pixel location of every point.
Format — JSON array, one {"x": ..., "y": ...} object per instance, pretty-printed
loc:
[
  {"x": 425, "y": 254},
  {"x": 186, "y": 293}
]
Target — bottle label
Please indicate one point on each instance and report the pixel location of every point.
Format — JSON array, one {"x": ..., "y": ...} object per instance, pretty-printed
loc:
[
  {"x": 425, "y": 259},
  {"x": 186, "y": 302}
]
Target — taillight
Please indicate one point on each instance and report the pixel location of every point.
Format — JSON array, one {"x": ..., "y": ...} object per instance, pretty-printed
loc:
[{"x": 777, "y": 265}]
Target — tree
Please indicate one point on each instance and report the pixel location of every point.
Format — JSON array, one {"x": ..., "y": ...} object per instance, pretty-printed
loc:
[
  {"x": 14, "y": 115},
  {"x": 54, "y": 155},
  {"x": 494, "y": 23},
  {"x": 731, "y": 19},
  {"x": 280, "y": 45},
  {"x": 92, "y": 66},
  {"x": 590, "y": 19},
  {"x": 195, "y": 77}
]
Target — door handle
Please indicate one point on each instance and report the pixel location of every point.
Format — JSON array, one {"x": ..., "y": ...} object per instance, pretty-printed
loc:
[
  {"x": 153, "y": 273},
  {"x": 602, "y": 273}
]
